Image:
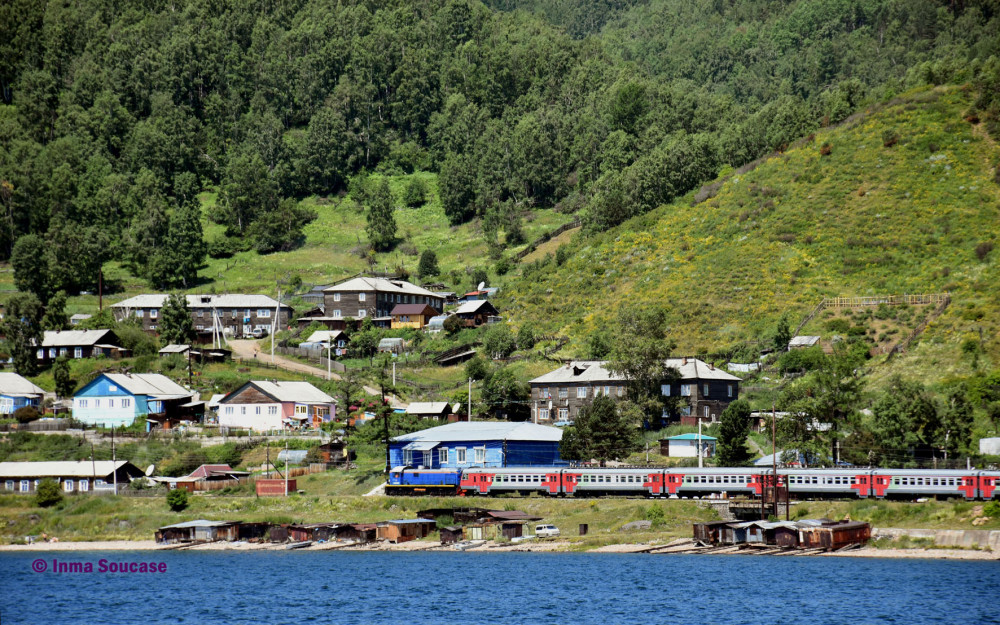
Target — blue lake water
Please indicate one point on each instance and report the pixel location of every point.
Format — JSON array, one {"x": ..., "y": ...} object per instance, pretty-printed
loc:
[{"x": 441, "y": 588}]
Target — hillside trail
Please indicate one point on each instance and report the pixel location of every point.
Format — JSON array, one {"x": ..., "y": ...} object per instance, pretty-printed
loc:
[{"x": 246, "y": 349}]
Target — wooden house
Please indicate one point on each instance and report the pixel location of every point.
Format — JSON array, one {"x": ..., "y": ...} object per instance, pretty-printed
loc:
[
  {"x": 414, "y": 316},
  {"x": 17, "y": 392},
  {"x": 364, "y": 296},
  {"x": 429, "y": 409},
  {"x": 478, "y": 444},
  {"x": 476, "y": 313},
  {"x": 264, "y": 405},
  {"x": 233, "y": 314},
  {"x": 118, "y": 399},
  {"x": 98, "y": 476},
  {"x": 79, "y": 344}
]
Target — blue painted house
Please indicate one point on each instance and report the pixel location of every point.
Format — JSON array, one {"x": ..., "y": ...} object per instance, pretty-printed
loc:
[
  {"x": 478, "y": 444},
  {"x": 118, "y": 399},
  {"x": 17, "y": 392}
]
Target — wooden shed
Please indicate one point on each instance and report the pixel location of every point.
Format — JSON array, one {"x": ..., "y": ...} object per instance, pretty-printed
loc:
[
  {"x": 402, "y": 530},
  {"x": 451, "y": 534},
  {"x": 835, "y": 536},
  {"x": 711, "y": 532},
  {"x": 198, "y": 531}
]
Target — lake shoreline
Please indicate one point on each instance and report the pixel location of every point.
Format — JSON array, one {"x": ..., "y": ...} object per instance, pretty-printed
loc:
[{"x": 416, "y": 546}]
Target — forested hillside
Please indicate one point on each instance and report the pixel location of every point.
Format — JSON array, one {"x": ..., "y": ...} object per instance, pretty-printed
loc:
[
  {"x": 114, "y": 115},
  {"x": 902, "y": 199}
]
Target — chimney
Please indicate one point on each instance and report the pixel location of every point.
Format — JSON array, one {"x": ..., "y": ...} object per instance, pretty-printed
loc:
[
  {"x": 711, "y": 367},
  {"x": 684, "y": 361}
]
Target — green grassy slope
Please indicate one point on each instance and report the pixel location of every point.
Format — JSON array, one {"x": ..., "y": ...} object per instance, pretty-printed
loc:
[{"x": 865, "y": 219}]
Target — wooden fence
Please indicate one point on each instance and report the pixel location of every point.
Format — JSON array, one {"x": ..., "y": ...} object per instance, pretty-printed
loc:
[
  {"x": 317, "y": 355},
  {"x": 270, "y": 475},
  {"x": 889, "y": 300}
]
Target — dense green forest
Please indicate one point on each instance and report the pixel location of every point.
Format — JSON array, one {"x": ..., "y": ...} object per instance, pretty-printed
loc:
[{"x": 115, "y": 114}]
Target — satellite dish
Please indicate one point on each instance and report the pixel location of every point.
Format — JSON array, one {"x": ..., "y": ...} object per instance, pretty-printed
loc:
[
  {"x": 482, "y": 285},
  {"x": 149, "y": 470}
]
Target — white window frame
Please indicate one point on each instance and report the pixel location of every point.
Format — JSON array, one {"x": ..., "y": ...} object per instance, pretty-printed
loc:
[
  {"x": 685, "y": 390},
  {"x": 665, "y": 390},
  {"x": 126, "y": 402},
  {"x": 272, "y": 410},
  {"x": 563, "y": 392},
  {"x": 152, "y": 313},
  {"x": 460, "y": 455},
  {"x": 336, "y": 297},
  {"x": 361, "y": 297},
  {"x": 77, "y": 352},
  {"x": 138, "y": 313},
  {"x": 111, "y": 403},
  {"x": 68, "y": 485},
  {"x": 581, "y": 392},
  {"x": 480, "y": 455},
  {"x": 442, "y": 455},
  {"x": 336, "y": 314},
  {"x": 9, "y": 485},
  {"x": 564, "y": 414},
  {"x": 264, "y": 313},
  {"x": 543, "y": 413},
  {"x": 25, "y": 486},
  {"x": 730, "y": 390},
  {"x": 707, "y": 415},
  {"x": 81, "y": 403},
  {"x": 704, "y": 390},
  {"x": 362, "y": 313},
  {"x": 408, "y": 457},
  {"x": 428, "y": 459},
  {"x": 84, "y": 486}
]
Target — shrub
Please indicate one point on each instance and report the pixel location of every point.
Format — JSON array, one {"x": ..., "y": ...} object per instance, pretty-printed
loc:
[
  {"x": 415, "y": 193},
  {"x": 840, "y": 326},
  {"x": 826, "y": 149},
  {"x": 983, "y": 249},
  {"x": 26, "y": 414},
  {"x": 48, "y": 493},
  {"x": 177, "y": 499},
  {"x": 890, "y": 138}
]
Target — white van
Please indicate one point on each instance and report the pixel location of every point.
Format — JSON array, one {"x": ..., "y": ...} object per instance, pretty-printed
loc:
[{"x": 546, "y": 531}]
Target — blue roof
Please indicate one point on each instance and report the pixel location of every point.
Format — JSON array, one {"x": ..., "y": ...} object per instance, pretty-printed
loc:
[{"x": 690, "y": 437}]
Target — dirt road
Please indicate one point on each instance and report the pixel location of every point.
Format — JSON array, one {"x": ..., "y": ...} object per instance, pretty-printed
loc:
[{"x": 246, "y": 349}]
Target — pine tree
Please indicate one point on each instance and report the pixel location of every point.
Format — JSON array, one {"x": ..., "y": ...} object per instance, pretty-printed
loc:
[
  {"x": 176, "y": 327},
  {"x": 734, "y": 427},
  {"x": 381, "y": 222},
  {"x": 55, "y": 313},
  {"x": 602, "y": 431},
  {"x": 23, "y": 331},
  {"x": 428, "y": 264},
  {"x": 60, "y": 374}
]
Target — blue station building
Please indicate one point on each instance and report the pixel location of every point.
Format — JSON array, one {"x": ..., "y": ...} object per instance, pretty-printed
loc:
[{"x": 478, "y": 444}]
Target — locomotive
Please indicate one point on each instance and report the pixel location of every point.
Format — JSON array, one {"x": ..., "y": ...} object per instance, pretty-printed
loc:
[{"x": 695, "y": 482}]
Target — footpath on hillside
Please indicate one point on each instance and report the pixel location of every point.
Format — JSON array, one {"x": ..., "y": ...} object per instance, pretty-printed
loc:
[{"x": 247, "y": 350}]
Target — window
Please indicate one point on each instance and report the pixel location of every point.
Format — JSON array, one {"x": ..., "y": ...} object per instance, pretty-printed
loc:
[
  {"x": 200, "y": 327},
  {"x": 52, "y": 352},
  {"x": 408, "y": 457},
  {"x": 685, "y": 390},
  {"x": 77, "y": 352},
  {"x": 480, "y": 455},
  {"x": 138, "y": 313},
  {"x": 97, "y": 403},
  {"x": 112, "y": 388},
  {"x": 443, "y": 455},
  {"x": 272, "y": 410},
  {"x": 706, "y": 412},
  {"x": 704, "y": 390},
  {"x": 9, "y": 485},
  {"x": 152, "y": 313},
  {"x": 229, "y": 410},
  {"x": 111, "y": 403},
  {"x": 68, "y": 486},
  {"x": 361, "y": 297},
  {"x": 563, "y": 414},
  {"x": 621, "y": 391},
  {"x": 25, "y": 486},
  {"x": 84, "y": 486},
  {"x": 81, "y": 403},
  {"x": 428, "y": 459},
  {"x": 301, "y": 409},
  {"x": 243, "y": 409},
  {"x": 336, "y": 297},
  {"x": 607, "y": 391},
  {"x": 126, "y": 403},
  {"x": 563, "y": 392},
  {"x": 361, "y": 313},
  {"x": 543, "y": 413},
  {"x": 336, "y": 314},
  {"x": 581, "y": 392},
  {"x": 257, "y": 409},
  {"x": 545, "y": 393},
  {"x": 460, "y": 455}
]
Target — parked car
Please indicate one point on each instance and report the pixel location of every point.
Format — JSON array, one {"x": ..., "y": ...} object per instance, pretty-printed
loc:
[
  {"x": 259, "y": 333},
  {"x": 546, "y": 531}
]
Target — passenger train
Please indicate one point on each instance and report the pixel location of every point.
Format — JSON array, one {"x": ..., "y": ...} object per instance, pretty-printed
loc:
[{"x": 695, "y": 482}]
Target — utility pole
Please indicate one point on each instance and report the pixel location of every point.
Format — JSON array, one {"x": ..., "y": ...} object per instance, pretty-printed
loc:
[
  {"x": 114, "y": 459},
  {"x": 329, "y": 348},
  {"x": 394, "y": 374},
  {"x": 274, "y": 323},
  {"x": 774, "y": 458},
  {"x": 286, "y": 468},
  {"x": 699, "y": 444},
  {"x": 469, "y": 399}
]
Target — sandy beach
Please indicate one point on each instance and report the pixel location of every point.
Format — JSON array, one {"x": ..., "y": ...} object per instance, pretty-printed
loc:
[{"x": 541, "y": 546}]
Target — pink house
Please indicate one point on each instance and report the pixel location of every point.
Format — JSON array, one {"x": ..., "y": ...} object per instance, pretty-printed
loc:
[{"x": 264, "y": 406}]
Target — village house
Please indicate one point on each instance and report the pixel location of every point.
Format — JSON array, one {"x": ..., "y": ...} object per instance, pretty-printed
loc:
[
  {"x": 704, "y": 391},
  {"x": 429, "y": 409},
  {"x": 17, "y": 392},
  {"x": 375, "y": 297},
  {"x": 118, "y": 399},
  {"x": 686, "y": 446},
  {"x": 414, "y": 316},
  {"x": 476, "y": 313},
  {"x": 334, "y": 340},
  {"x": 79, "y": 344},
  {"x": 477, "y": 444},
  {"x": 84, "y": 476},
  {"x": 235, "y": 315},
  {"x": 263, "y": 406}
]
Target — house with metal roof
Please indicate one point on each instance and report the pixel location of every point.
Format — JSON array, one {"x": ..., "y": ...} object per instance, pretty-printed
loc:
[
  {"x": 414, "y": 316},
  {"x": 703, "y": 391},
  {"x": 118, "y": 399},
  {"x": 429, "y": 409},
  {"x": 334, "y": 340},
  {"x": 375, "y": 297},
  {"x": 478, "y": 444},
  {"x": 263, "y": 406},
  {"x": 79, "y": 344},
  {"x": 475, "y": 313},
  {"x": 802, "y": 342},
  {"x": 85, "y": 476},
  {"x": 17, "y": 392},
  {"x": 232, "y": 314}
]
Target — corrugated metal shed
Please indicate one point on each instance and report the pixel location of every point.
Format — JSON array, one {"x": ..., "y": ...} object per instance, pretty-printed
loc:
[{"x": 484, "y": 431}]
